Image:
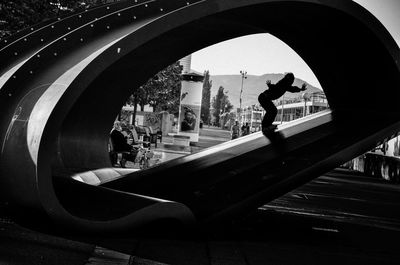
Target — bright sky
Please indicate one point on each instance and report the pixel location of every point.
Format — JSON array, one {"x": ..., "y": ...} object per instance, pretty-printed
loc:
[{"x": 263, "y": 53}]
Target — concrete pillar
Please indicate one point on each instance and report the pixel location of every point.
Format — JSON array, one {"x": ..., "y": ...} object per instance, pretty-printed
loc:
[
  {"x": 186, "y": 63},
  {"x": 190, "y": 105}
]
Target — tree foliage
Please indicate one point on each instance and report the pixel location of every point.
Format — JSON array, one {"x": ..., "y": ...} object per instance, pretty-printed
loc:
[
  {"x": 74, "y": 5},
  {"x": 19, "y": 14},
  {"x": 16, "y": 15},
  {"x": 221, "y": 104},
  {"x": 206, "y": 97},
  {"x": 162, "y": 91}
]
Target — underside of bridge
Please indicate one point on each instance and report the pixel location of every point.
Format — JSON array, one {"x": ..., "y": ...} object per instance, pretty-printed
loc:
[{"x": 62, "y": 85}]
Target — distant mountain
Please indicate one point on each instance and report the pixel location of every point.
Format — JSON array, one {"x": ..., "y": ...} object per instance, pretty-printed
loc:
[{"x": 252, "y": 87}]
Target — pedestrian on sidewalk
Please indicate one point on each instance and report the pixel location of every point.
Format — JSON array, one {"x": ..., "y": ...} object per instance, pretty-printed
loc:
[
  {"x": 245, "y": 129},
  {"x": 235, "y": 130},
  {"x": 273, "y": 92}
]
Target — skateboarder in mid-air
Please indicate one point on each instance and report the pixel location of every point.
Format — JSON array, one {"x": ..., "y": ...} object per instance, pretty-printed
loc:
[{"x": 273, "y": 92}]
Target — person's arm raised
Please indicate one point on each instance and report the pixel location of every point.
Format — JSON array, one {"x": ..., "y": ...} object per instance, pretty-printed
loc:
[{"x": 295, "y": 89}]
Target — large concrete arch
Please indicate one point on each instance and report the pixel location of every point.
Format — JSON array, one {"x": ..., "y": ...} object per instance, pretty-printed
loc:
[{"x": 57, "y": 103}]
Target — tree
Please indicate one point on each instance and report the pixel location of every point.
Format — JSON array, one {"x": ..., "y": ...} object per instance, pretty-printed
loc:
[
  {"x": 221, "y": 104},
  {"x": 161, "y": 92},
  {"x": 205, "y": 102},
  {"x": 75, "y": 5},
  {"x": 19, "y": 14},
  {"x": 166, "y": 89},
  {"x": 134, "y": 100}
]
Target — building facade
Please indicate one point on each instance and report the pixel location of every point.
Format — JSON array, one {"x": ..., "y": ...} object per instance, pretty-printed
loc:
[
  {"x": 292, "y": 109},
  {"x": 253, "y": 116},
  {"x": 288, "y": 109}
]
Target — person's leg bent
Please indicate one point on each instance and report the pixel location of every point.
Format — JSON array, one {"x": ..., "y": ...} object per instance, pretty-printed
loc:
[
  {"x": 270, "y": 113},
  {"x": 123, "y": 160},
  {"x": 264, "y": 103},
  {"x": 133, "y": 154}
]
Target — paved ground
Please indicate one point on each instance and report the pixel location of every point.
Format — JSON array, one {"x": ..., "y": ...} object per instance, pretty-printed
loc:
[{"x": 165, "y": 151}]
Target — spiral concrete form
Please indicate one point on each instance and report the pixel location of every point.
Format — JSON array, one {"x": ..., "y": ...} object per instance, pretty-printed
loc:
[{"x": 62, "y": 85}]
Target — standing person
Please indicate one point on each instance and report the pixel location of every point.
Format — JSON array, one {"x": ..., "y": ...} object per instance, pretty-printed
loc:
[
  {"x": 245, "y": 129},
  {"x": 273, "y": 92},
  {"x": 235, "y": 130}
]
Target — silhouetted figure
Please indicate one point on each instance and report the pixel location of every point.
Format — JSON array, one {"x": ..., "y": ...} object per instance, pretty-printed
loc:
[
  {"x": 235, "y": 130},
  {"x": 273, "y": 92},
  {"x": 245, "y": 129}
]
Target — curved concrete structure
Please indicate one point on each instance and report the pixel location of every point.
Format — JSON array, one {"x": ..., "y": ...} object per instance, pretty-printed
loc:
[{"x": 58, "y": 101}]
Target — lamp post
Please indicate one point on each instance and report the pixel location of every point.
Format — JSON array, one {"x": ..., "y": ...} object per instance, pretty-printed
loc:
[
  {"x": 305, "y": 96},
  {"x": 222, "y": 114},
  {"x": 282, "y": 107},
  {"x": 244, "y": 76}
]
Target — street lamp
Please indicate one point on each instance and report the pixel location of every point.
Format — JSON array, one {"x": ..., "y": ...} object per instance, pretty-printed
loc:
[
  {"x": 244, "y": 76},
  {"x": 222, "y": 114},
  {"x": 306, "y": 97},
  {"x": 282, "y": 107}
]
